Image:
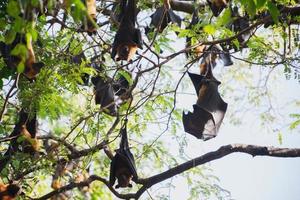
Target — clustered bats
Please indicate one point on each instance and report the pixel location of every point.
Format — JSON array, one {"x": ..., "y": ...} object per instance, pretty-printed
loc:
[
  {"x": 162, "y": 17},
  {"x": 128, "y": 38},
  {"x": 122, "y": 166},
  {"x": 9, "y": 191},
  {"x": 32, "y": 68}
]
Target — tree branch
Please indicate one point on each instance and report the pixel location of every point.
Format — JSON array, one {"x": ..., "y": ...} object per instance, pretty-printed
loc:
[{"x": 223, "y": 151}]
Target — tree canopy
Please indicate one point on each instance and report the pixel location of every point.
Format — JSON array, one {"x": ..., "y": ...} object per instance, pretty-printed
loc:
[{"x": 75, "y": 73}]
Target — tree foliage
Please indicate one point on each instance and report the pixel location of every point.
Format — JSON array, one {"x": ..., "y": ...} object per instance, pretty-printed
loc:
[{"x": 72, "y": 128}]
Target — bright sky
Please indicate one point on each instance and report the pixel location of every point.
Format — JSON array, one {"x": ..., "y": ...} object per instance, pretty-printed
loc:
[{"x": 248, "y": 178}]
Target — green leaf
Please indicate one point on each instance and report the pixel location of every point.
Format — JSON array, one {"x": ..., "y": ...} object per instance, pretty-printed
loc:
[
  {"x": 21, "y": 67},
  {"x": 209, "y": 29},
  {"x": 13, "y": 8},
  {"x": 225, "y": 18},
  {"x": 280, "y": 138},
  {"x": 249, "y": 6},
  {"x": 273, "y": 11},
  {"x": 260, "y": 3},
  {"x": 127, "y": 76},
  {"x": 10, "y": 36}
]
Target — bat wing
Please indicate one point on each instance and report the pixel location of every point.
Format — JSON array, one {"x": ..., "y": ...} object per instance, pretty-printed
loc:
[
  {"x": 200, "y": 123},
  {"x": 226, "y": 58},
  {"x": 112, "y": 175},
  {"x": 156, "y": 17},
  {"x": 138, "y": 38},
  {"x": 210, "y": 100},
  {"x": 174, "y": 18},
  {"x": 197, "y": 81}
]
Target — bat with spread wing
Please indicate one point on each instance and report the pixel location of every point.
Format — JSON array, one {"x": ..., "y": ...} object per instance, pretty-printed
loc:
[
  {"x": 204, "y": 122},
  {"x": 123, "y": 165},
  {"x": 128, "y": 38}
]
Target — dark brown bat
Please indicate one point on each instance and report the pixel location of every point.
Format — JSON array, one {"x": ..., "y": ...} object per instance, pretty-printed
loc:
[
  {"x": 32, "y": 68},
  {"x": 210, "y": 55},
  {"x": 217, "y": 6},
  {"x": 240, "y": 23},
  {"x": 122, "y": 166},
  {"x": 209, "y": 110},
  {"x": 104, "y": 95},
  {"x": 128, "y": 38},
  {"x": 163, "y": 16},
  {"x": 121, "y": 86},
  {"x": 9, "y": 191},
  {"x": 198, "y": 51},
  {"x": 27, "y": 128}
]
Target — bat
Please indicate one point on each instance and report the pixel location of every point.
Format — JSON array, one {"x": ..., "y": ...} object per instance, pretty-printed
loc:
[
  {"x": 209, "y": 110},
  {"x": 32, "y": 68},
  {"x": 128, "y": 38},
  {"x": 25, "y": 131},
  {"x": 78, "y": 59},
  {"x": 122, "y": 166},
  {"x": 9, "y": 191},
  {"x": 209, "y": 58},
  {"x": 104, "y": 95},
  {"x": 217, "y": 6},
  {"x": 163, "y": 16},
  {"x": 91, "y": 19},
  {"x": 197, "y": 51},
  {"x": 121, "y": 86},
  {"x": 62, "y": 167},
  {"x": 240, "y": 23}
]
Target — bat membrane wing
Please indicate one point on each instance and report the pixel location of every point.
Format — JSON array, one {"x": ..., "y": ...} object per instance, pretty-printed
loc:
[
  {"x": 174, "y": 18},
  {"x": 197, "y": 81},
  {"x": 199, "y": 123}
]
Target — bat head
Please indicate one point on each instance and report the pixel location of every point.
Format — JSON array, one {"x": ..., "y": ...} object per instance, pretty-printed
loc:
[
  {"x": 126, "y": 52},
  {"x": 13, "y": 190},
  {"x": 124, "y": 181}
]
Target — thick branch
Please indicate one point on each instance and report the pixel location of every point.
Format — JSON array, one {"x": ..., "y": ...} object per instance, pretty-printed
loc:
[{"x": 223, "y": 151}]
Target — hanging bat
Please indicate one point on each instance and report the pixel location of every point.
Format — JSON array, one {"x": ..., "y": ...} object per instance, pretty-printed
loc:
[
  {"x": 209, "y": 58},
  {"x": 239, "y": 24},
  {"x": 163, "y": 16},
  {"x": 128, "y": 38},
  {"x": 78, "y": 59},
  {"x": 32, "y": 68},
  {"x": 90, "y": 25},
  {"x": 104, "y": 95},
  {"x": 122, "y": 166},
  {"x": 9, "y": 191},
  {"x": 209, "y": 110},
  {"x": 217, "y": 6},
  {"x": 121, "y": 86},
  {"x": 24, "y": 134}
]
